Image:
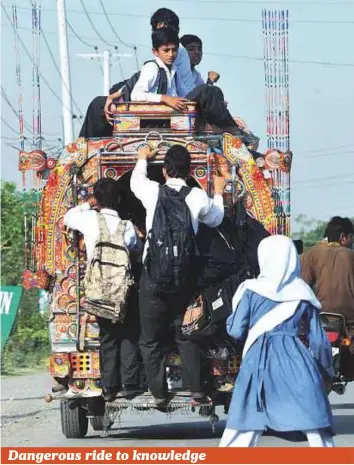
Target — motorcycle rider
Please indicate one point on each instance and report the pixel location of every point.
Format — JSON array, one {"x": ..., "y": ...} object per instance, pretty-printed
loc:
[{"x": 328, "y": 268}]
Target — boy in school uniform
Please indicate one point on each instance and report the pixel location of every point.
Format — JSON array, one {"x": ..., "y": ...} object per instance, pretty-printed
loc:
[{"x": 119, "y": 349}]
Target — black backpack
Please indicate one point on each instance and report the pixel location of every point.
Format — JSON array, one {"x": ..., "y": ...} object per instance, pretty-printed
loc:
[
  {"x": 129, "y": 84},
  {"x": 172, "y": 244}
]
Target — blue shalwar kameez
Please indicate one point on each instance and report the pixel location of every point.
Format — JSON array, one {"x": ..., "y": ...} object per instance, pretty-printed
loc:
[{"x": 280, "y": 384}]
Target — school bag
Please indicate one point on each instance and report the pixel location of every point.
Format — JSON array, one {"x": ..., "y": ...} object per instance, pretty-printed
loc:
[
  {"x": 172, "y": 244},
  {"x": 128, "y": 84},
  {"x": 108, "y": 276},
  {"x": 231, "y": 258}
]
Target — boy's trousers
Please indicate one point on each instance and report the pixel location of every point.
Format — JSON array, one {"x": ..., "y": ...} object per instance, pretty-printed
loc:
[
  {"x": 120, "y": 358},
  {"x": 212, "y": 108},
  {"x": 158, "y": 312}
]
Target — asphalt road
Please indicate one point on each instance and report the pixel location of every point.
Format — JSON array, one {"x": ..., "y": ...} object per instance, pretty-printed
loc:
[{"x": 26, "y": 420}]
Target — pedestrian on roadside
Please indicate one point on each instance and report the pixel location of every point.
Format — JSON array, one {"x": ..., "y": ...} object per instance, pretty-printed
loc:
[{"x": 280, "y": 385}]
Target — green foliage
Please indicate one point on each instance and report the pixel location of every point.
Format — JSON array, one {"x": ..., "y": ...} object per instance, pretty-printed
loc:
[
  {"x": 311, "y": 231},
  {"x": 28, "y": 344},
  {"x": 12, "y": 235}
]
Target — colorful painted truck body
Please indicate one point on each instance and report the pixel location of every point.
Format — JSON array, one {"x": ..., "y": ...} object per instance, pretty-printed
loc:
[{"x": 60, "y": 254}]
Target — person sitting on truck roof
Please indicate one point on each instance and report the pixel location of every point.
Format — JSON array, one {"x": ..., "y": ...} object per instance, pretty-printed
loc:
[
  {"x": 119, "y": 349},
  {"x": 98, "y": 118},
  {"x": 210, "y": 99},
  {"x": 194, "y": 46}
]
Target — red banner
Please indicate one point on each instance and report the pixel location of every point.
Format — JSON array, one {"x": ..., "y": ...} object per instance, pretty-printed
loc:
[{"x": 166, "y": 455}]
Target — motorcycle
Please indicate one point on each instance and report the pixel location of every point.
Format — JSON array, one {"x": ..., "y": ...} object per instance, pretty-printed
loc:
[{"x": 336, "y": 328}]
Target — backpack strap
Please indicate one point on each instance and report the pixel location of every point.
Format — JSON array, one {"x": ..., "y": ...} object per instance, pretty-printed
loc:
[
  {"x": 104, "y": 235},
  {"x": 118, "y": 235},
  {"x": 161, "y": 79},
  {"x": 185, "y": 190}
]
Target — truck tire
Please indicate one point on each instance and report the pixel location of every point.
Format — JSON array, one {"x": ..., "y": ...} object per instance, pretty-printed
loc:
[{"x": 74, "y": 423}]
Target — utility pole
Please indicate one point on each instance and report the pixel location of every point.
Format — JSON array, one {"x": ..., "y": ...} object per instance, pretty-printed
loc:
[
  {"x": 67, "y": 111},
  {"x": 106, "y": 55},
  {"x": 106, "y": 72}
]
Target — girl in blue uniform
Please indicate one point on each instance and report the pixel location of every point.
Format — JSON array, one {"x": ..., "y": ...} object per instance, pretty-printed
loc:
[{"x": 280, "y": 384}]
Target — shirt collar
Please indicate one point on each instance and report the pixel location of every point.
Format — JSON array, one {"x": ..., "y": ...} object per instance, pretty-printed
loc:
[
  {"x": 176, "y": 182},
  {"x": 171, "y": 71},
  {"x": 108, "y": 211}
]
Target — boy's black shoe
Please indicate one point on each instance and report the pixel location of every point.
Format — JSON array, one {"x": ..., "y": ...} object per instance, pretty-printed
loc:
[
  {"x": 199, "y": 397},
  {"x": 129, "y": 390},
  {"x": 160, "y": 401},
  {"x": 109, "y": 394}
]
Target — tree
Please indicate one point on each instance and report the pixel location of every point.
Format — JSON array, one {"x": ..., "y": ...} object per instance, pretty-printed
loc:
[
  {"x": 12, "y": 235},
  {"x": 29, "y": 341},
  {"x": 311, "y": 230}
]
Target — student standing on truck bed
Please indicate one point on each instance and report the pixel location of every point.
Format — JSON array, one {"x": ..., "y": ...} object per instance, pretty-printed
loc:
[
  {"x": 108, "y": 240},
  {"x": 167, "y": 283}
]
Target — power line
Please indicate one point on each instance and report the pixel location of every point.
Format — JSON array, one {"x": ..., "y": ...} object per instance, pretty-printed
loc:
[
  {"x": 82, "y": 41},
  {"x": 240, "y": 57},
  {"x": 331, "y": 154},
  {"x": 325, "y": 148},
  {"x": 30, "y": 58},
  {"x": 198, "y": 18},
  {"x": 15, "y": 112},
  {"x": 112, "y": 28},
  {"x": 94, "y": 27},
  {"x": 118, "y": 37},
  {"x": 58, "y": 70},
  {"x": 308, "y": 62},
  {"x": 78, "y": 37},
  {"x": 9, "y": 126},
  {"x": 341, "y": 176},
  {"x": 322, "y": 185},
  {"x": 256, "y": 2}
]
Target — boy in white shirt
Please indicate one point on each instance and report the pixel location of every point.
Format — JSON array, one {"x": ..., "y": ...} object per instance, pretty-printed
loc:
[
  {"x": 159, "y": 307},
  {"x": 119, "y": 350}
]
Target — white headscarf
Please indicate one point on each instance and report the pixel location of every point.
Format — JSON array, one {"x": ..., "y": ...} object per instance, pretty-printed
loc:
[{"x": 279, "y": 279}]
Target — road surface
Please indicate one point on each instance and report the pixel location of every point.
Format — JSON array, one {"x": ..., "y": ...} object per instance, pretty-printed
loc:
[{"x": 26, "y": 420}]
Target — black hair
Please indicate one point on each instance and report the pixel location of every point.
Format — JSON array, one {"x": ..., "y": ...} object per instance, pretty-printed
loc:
[
  {"x": 189, "y": 39},
  {"x": 107, "y": 193},
  {"x": 166, "y": 16},
  {"x": 177, "y": 162},
  {"x": 338, "y": 226},
  {"x": 164, "y": 36}
]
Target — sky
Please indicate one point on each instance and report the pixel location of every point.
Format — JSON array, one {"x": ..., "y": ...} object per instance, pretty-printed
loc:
[{"x": 321, "y": 53}]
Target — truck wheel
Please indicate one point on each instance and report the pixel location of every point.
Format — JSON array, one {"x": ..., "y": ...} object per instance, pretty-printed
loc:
[{"x": 74, "y": 423}]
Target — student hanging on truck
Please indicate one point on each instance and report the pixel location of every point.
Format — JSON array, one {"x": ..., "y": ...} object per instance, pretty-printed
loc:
[
  {"x": 173, "y": 212},
  {"x": 109, "y": 290}
]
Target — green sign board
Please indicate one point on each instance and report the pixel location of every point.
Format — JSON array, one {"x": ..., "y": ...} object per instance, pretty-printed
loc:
[{"x": 10, "y": 297}]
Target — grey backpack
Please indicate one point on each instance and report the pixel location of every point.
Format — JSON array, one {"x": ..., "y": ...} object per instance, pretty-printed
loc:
[{"x": 108, "y": 275}]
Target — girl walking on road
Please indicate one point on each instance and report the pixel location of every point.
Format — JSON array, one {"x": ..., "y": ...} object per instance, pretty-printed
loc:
[{"x": 280, "y": 384}]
